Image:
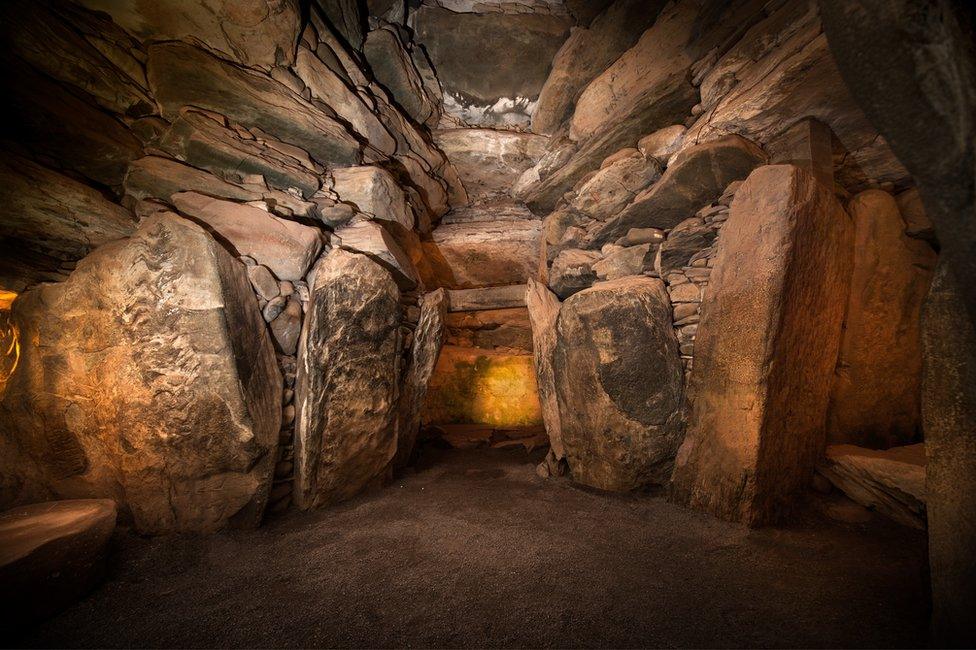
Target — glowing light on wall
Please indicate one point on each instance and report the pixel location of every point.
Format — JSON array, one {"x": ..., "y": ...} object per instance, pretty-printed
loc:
[{"x": 9, "y": 340}]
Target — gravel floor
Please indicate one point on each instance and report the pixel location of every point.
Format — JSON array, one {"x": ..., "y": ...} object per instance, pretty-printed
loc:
[{"x": 472, "y": 549}]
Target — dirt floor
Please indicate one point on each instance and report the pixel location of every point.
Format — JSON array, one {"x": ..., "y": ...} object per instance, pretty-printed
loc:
[{"x": 474, "y": 550}]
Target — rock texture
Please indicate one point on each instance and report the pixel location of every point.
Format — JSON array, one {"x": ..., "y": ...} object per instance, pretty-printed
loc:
[
  {"x": 51, "y": 554},
  {"x": 480, "y": 254},
  {"x": 891, "y": 482},
  {"x": 483, "y": 85},
  {"x": 875, "y": 398},
  {"x": 618, "y": 384},
  {"x": 180, "y": 423},
  {"x": 543, "y": 309},
  {"x": 348, "y": 380},
  {"x": 489, "y": 161},
  {"x": 766, "y": 346},
  {"x": 428, "y": 339}
]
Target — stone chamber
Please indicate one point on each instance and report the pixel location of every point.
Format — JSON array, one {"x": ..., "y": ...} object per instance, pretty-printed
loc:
[{"x": 524, "y": 323}]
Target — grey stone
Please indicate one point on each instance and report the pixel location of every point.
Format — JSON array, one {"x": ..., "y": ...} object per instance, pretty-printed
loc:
[
  {"x": 687, "y": 239},
  {"x": 572, "y": 271}
]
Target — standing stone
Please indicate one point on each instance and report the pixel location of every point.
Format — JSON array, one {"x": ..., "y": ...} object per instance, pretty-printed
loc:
[
  {"x": 876, "y": 392},
  {"x": 348, "y": 380},
  {"x": 543, "y": 309},
  {"x": 147, "y": 377},
  {"x": 949, "y": 417},
  {"x": 618, "y": 384},
  {"x": 766, "y": 348},
  {"x": 428, "y": 339}
]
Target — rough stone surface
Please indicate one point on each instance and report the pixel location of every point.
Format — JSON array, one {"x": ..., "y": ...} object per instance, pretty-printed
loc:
[
  {"x": 373, "y": 191},
  {"x": 949, "y": 421},
  {"x": 161, "y": 178},
  {"x": 180, "y": 75},
  {"x": 487, "y": 298},
  {"x": 686, "y": 239},
  {"x": 765, "y": 348},
  {"x": 146, "y": 377},
  {"x": 695, "y": 177},
  {"x": 286, "y": 247},
  {"x": 395, "y": 70},
  {"x": 253, "y": 32},
  {"x": 543, "y": 307},
  {"x": 480, "y": 254},
  {"x": 633, "y": 260},
  {"x": 586, "y": 54},
  {"x": 428, "y": 339},
  {"x": 875, "y": 398},
  {"x": 612, "y": 339},
  {"x": 348, "y": 380},
  {"x": 506, "y": 330},
  {"x": 374, "y": 240},
  {"x": 891, "y": 482},
  {"x": 484, "y": 84},
  {"x": 489, "y": 161},
  {"x": 572, "y": 271},
  {"x": 613, "y": 187},
  {"x": 51, "y": 554},
  {"x": 662, "y": 143},
  {"x": 48, "y": 219}
]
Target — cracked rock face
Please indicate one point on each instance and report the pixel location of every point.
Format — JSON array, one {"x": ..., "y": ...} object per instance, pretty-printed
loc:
[{"x": 157, "y": 383}]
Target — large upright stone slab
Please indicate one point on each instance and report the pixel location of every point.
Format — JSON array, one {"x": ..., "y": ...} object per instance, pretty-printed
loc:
[
  {"x": 618, "y": 384},
  {"x": 543, "y": 307},
  {"x": 949, "y": 418},
  {"x": 181, "y": 75},
  {"x": 766, "y": 348},
  {"x": 147, "y": 377},
  {"x": 348, "y": 380},
  {"x": 428, "y": 339},
  {"x": 875, "y": 398}
]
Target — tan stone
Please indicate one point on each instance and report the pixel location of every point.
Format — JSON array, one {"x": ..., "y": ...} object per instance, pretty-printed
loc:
[
  {"x": 373, "y": 191},
  {"x": 479, "y": 254},
  {"x": 543, "y": 307},
  {"x": 489, "y": 161},
  {"x": 875, "y": 398},
  {"x": 765, "y": 348}
]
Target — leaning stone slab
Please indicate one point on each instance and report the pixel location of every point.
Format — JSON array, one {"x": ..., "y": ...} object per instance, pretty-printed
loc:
[
  {"x": 348, "y": 380},
  {"x": 618, "y": 383},
  {"x": 765, "y": 348},
  {"x": 891, "y": 482},
  {"x": 51, "y": 554},
  {"x": 147, "y": 377},
  {"x": 373, "y": 239},
  {"x": 543, "y": 307},
  {"x": 181, "y": 75},
  {"x": 286, "y": 247}
]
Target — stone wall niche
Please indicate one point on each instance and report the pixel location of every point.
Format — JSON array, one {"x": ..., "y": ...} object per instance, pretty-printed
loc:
[
  {"x": 348, "y": 380},
  {"x": 766, "y": 348},
  {"x": 147, "y": 377}
]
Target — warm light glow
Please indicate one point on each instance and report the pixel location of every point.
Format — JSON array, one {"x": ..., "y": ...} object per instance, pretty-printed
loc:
[{"x": 9, "y": 340}]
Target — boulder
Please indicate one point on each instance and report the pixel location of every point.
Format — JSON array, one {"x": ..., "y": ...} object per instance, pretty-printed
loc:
[
  {"x": 374, "y": 240},
  {"x": 51, "y": 555},
  {"x": 49, "y": 219},
  {"x": 484, "y": 85},
  {"x": 765, "y": 348},
  {"x": 481, "y": 254},
  {"x": 348, "y": 380},
  {"x": 632, "y": 260},
  {"x": 586, "y": 54},
  {"x": 287, "y": 326},
  {"x": 572, "y": 271},
  {"x": 253, "y": 32},
  {"x": 181, "y": 426},
  {"x": 181, "y": 75},
  {"x": 206, "y": 142},
  {"x": 489, "y": 161},
  {"x": 486, "y": 387},
  {"x": 875, "y": 397},
  {"x": 287, "y": 248},
  {"x": 613, "y": 187},
  {"x": 891, "y": 482},
  {"x": 684, "y": 241},
  {"x": 394, "y": 69},
  {"x": 662, "y": 143},
  {"x": 373, "y": 191},
  {"x": 428, "y": 339},
  {"x": 618, "y": 384},
  {"x": 329, "y": 88},
  {"x": 695, "y": 177},
  {"x": 543, "y": 307}
]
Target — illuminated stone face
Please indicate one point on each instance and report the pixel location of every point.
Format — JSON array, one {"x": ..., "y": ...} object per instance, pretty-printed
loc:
[
  {"x": 475, "y": 386},
  {"x": 9, "y": 340}
]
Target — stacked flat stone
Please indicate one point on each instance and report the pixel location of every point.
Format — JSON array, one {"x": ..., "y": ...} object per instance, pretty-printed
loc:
[{"x": 687, "y": 285}]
